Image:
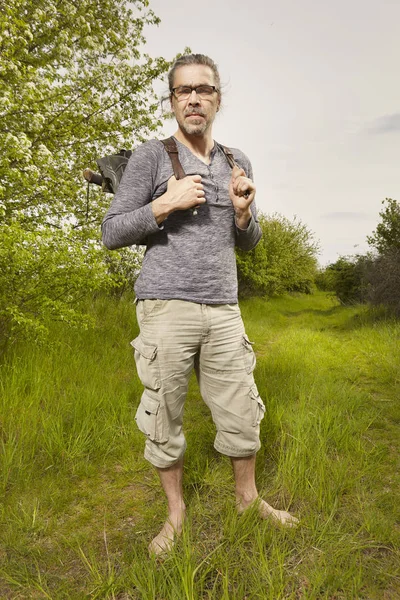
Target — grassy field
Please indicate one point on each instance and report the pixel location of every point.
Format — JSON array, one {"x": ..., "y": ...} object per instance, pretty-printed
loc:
[{"x": 80, "y": 504}]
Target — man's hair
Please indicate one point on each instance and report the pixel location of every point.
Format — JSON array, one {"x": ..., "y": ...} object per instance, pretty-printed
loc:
[{"x": 194, "y": 59}]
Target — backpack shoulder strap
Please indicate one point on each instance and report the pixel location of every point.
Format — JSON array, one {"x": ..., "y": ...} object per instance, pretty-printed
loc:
[
  {"x": 229, "y": 156},
  {"x": 172, "y": 149},
  {"x": 232, "y": 163}
]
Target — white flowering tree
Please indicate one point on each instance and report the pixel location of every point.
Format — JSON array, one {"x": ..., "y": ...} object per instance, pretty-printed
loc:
[{"x": 74, "y": 87}]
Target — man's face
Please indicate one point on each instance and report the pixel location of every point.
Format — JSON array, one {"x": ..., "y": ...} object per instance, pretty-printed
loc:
[{"x": 195, "y": 115}]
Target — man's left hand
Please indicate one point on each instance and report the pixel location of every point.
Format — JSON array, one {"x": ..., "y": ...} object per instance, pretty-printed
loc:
[{"x": 242, "y": 192}]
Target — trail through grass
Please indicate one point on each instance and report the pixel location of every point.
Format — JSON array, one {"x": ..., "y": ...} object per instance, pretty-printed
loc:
[{"x": 80, "y": 504}]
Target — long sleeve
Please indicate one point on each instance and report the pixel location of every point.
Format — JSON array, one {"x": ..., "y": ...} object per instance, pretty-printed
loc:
[
  {"x": 247, "y": 239},
  {"x": 130, "y": 218}
]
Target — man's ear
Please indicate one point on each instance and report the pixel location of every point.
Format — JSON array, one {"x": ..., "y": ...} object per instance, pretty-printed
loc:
[{"x": 171, "y": 104}]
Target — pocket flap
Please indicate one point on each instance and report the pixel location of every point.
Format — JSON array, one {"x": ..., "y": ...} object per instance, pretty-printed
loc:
[
  {"x": 256, "y": 396},
  {"x": 150, "y": 405},
  {"x": 149, "y": 351},
  {"x": 246, "y": 341}
]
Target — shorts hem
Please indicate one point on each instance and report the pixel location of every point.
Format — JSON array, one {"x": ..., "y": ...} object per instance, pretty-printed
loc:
[
  {"x": 160, "y": 464},
  {"x": 235, "y": 452}
]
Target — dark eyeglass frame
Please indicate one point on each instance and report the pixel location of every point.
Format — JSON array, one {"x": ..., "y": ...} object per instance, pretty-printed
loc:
[{"x": 193, "y": 89}]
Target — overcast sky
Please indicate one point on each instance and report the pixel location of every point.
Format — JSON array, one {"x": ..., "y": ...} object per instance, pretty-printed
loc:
[{"x": 311, "y": 93}]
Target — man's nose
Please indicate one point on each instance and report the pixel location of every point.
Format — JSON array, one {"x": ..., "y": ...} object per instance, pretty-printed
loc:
[{"x": 194, "y": 98}]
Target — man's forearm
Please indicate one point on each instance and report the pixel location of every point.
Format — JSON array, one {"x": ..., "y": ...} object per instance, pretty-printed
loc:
[
  {"x": 128, "y": 228},
  {"x": 161, "y": 208}
]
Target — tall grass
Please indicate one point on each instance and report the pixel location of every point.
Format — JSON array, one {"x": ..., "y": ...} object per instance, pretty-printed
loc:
[{"x": 80, "y": 504}]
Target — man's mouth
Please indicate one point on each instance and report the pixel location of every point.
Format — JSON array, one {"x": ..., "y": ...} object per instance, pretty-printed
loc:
[{"x": 197, "y": 115}]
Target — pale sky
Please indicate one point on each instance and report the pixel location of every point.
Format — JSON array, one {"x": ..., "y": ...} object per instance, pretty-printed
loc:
[{"x": 311, "y": 93}]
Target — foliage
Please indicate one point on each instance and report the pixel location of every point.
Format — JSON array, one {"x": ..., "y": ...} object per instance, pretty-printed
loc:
[
  {"x": 387, "y": 234},
  {"x": 44, "y": 274},
  {"x": 283, "y": 261},
  {"x": 347, "y": 278},
  {"x": 74, "y": 87},
  {"x": 373, "y": 278},
  {"x": 384, "y": 280},
  {"x": 384, "y": 274},
  {"x": 124, "y": 266}
]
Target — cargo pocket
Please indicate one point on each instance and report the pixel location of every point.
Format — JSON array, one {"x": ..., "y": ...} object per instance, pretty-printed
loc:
[
  {"x": 150, "y": 418},
  {"x": 249, "y": 356},
  {"x": 146, "y": 363},
  {"x": 257, "y": 406}
]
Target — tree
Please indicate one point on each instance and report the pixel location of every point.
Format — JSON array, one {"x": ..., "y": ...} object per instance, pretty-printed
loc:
[
  {"x": 384, "y": 281},
  {"x": 347, "y": 278},
  {"x": 384, "y": 275},
  {"x": 283, "y": 261},
  {"x": 387, "y": 234},
  {"x": 74, "y": 87},
  {"x": 373, "y": 277}
]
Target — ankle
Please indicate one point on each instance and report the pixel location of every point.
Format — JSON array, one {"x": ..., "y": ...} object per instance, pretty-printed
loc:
[
  {"x": 177, "y": 511},
  {"x": 244, "y": 498}
]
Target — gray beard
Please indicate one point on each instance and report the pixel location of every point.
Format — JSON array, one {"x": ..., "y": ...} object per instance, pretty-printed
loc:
[{"x": 195, "y": 128}]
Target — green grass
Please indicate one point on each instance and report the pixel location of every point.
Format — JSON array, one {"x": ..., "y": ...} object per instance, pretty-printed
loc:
[{"x": 80, "y": 504}]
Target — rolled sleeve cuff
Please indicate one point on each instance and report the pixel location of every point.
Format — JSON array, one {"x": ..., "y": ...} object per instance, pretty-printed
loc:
[{"x": 247, "y": 239}]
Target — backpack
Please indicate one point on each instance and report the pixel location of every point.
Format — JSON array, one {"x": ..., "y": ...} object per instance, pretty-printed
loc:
[{"x": 112, "y": 167}]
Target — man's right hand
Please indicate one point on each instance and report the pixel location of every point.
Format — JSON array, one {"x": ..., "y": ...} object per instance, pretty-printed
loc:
[{"x": 181, "y": 194}]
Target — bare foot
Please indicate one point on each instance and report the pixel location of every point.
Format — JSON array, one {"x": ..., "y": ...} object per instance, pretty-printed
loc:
[
  {"x": 165, "y": 540},
  {"x": 266, "y": 511}
]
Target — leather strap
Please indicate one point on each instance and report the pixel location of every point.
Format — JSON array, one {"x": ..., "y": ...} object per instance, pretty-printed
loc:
[
  {"x": 231, "y": 161},
  {"x": 229, "y": 156},
  {"x": 172, "y": 149}
]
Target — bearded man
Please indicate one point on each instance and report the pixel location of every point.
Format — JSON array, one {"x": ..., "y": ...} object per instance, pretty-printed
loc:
[{"x": 187, "y": 305}]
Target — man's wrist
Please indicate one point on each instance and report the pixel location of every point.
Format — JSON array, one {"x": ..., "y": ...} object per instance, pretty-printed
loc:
[
  {"x": 243, "y": 218},
  {"x": 161, "y": 208}
]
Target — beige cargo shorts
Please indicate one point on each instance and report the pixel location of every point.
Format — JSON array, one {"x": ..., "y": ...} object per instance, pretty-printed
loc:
[{"x": 175, "y": 338}]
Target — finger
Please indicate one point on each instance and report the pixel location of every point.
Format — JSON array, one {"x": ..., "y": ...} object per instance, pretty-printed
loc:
[
  {"x": 238, "y": 185},
  {"x": 245, "y": 185},
  {"x": 196, "y": 178}
]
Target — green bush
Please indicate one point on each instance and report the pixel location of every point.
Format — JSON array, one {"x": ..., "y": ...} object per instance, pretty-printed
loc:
[
  {"x": 384, "y": 280},
  {"x": 373, "y": 278},
  {"x": 347, "y": 278},
  {"x": 43, "y": 275},
  {"x": 283, "y": 261}
]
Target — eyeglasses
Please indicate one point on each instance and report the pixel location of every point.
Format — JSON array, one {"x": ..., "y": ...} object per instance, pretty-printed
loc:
[{"x": 183, "y": 92}]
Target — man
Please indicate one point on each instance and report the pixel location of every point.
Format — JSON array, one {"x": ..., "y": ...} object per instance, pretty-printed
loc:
[{"x": 187, "y": 291}]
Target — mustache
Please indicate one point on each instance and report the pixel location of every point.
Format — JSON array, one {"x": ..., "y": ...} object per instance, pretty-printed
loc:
[{"x": 193, "y": 111}]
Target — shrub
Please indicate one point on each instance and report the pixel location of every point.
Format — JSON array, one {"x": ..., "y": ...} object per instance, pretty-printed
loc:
[
  {"x": 347, "y": 278},
  {"x": 283, "y": 261},
  {"x": 384, "y": 280}
]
